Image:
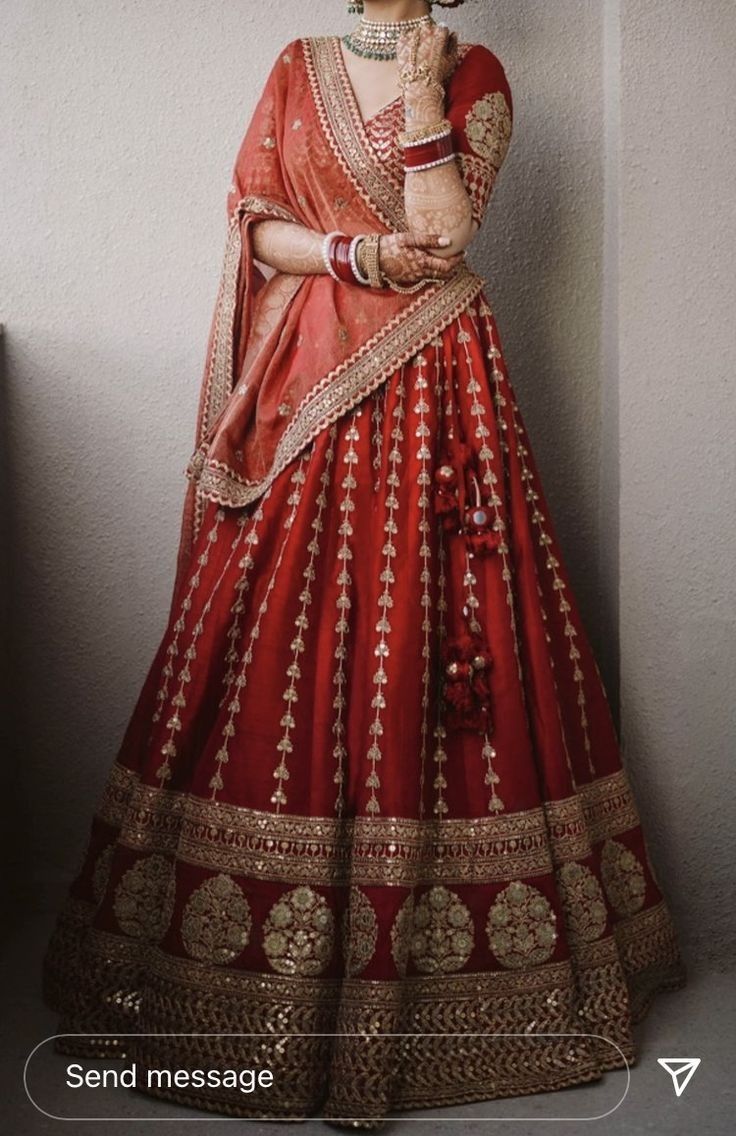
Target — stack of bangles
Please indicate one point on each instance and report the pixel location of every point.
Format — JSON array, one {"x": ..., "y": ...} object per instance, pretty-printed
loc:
[
  {"x": 356, "y": 260},
  {"x": 353, "y": 260},
  {"x": 427, "y": 146}
]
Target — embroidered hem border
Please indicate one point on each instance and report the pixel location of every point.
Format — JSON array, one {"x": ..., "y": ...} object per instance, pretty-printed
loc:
[
  {"x": 94, "y": 980},
  {"x": 394, "y": 851}
]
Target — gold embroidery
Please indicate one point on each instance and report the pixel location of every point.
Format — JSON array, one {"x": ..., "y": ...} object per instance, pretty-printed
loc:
[
  {"x": 344, "y": 605},
  {"x": 488, "y": 128},
  {"x": 298, "y": 933},
  {"x": 623, "y": 877},
  {"x": 345, "y": 132},
  {"x": 222, "y": 756},
  {"x": 83, "y": 965},
  {"x": 144, "y": 898},
  {"x": 401, "y": 932},
  {"x": 385, "y": 604},
  {"x": 391, "y": 851},
  {"x": 216, "y": 921},
  {"x": 285, "y": 746},
  {"x": 443, "y": 936},
  {"x": 479, "y": 178},
  {"x": 344, "y": 387},
  {"x": 423, "y": 432},
  {"x": 521, "y": 927},
  {"x": 585, "y": 908},
  {"x": 359, "y": 933},
  {"x": 101, "y": 872}
]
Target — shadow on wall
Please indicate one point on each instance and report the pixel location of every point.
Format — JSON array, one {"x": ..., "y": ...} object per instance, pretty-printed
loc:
[{"x": 15, "y": 819}]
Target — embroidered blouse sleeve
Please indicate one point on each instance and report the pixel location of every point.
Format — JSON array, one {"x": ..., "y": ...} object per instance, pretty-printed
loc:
[{"x": 480, "y": 108}]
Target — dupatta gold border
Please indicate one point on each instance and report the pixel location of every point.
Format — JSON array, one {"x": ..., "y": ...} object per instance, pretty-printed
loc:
[
  {"x": 218, "y": 381},
  {"x": 344, "y": 129},
  {"x": 344, "y": 387}
]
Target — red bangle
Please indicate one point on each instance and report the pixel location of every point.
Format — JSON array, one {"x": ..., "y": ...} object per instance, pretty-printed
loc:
[
  {"x": 340, "y": 259},
  {"x": 429, "y": 153}
]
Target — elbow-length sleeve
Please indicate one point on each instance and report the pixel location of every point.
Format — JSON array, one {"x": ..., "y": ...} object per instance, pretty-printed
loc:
[{"x": 480, "y": 108}]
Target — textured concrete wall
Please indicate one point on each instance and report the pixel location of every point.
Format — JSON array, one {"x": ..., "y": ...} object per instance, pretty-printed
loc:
[
  {"x": 678, "y": 462},
  {"x": 122, "y": 121}
]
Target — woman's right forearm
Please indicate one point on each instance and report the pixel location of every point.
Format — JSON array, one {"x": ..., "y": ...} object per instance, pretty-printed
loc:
[{"x": 288, "y": 247}]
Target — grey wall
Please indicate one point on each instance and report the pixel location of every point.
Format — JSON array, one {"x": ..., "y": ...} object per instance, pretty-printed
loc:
[{"x": 606, "y": 255}]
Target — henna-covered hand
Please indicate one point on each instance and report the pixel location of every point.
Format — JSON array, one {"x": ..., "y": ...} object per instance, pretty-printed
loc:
[
  {"x": 407, "y": 258},
  {"x": 430, "y": 54}
]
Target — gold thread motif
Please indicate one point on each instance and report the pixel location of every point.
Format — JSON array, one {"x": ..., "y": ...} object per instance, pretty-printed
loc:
[
  {"x": 222, "y": 756},
  {"x": 84, "y": 965},
  {"x": 424, "y": 480},
  {"x": 392, "y": 851},
  {"x": 173, "y": 650},
  {"x": 623, "y": 878},
  {"x": 101, "y": 872},
  {"x": 344, "y": 387},
  {"x": 479, "y": 178},
  {"x": 216, "y": 921},
  {"x": 359, "y": 933},
  {"x": 521, "y": 927},
  {"x": 582, "y": 898},
  {"x": 443, "y": 934},
  {"x": 144, "y": 898},
  {"x": 344, "y": 605},
  {"x": 401, "y": 933},
  {"x": 238, "y": 608},
  {"x": 344, "y": 130},
  {"x": 298, "y": 933},
  {"x": 385, "y": 603},
  {"x": 488, "y": 128},
  {"x": 291, "y": 695}
]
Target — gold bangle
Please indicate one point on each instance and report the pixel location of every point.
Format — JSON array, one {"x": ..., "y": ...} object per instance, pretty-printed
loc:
[
  {"x": 371, "y": 260},
  {"x": 428, "y": 133}
]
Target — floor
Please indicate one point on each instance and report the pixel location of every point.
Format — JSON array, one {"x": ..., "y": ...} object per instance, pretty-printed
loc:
[{"x": 698, "y": 1021}]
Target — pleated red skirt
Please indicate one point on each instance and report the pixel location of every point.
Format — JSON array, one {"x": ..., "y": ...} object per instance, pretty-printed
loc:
[{"x": 372, "y": 788}]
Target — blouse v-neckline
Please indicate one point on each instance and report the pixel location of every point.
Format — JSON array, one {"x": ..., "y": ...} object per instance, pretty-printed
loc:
[{"x": 350, "y": 89}]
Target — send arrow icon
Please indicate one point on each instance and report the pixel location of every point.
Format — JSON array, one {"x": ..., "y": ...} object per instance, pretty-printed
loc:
[{"x": 680, "y": 1070}]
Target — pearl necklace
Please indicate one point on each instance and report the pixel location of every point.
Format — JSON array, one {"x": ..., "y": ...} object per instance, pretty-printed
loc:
[{"x": 377, "y": 39}]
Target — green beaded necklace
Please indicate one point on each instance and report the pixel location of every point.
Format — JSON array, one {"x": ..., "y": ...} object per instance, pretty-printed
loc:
[{"x": 377, "y": 39}]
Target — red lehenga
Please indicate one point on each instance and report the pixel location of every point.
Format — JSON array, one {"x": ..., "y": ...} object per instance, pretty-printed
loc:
[{"x": 371, "y": 786}]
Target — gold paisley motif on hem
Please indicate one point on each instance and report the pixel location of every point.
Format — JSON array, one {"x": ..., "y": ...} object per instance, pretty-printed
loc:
[
  {"x": 521, "y": 927},
  {"x": 623, "y": 878},
  {"x": 443, "y": 935},
  {"x": 298, "y": 933},
  {"x": 144, "y": 898},
  {"x": 359, "y": 933},
  {"x": 585, "y": 907},
  {"x": 216, "y": 921}
]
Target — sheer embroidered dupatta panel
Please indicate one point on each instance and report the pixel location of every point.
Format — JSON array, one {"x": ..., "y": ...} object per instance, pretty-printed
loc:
[{"x": 288, "y": 356}]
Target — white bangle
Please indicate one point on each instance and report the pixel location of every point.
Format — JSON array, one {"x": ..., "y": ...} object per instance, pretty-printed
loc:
[
  {"x": 359, "y": 276},
  {"x": 430, "y": 165},
  {"x": 326, "y": 253}
]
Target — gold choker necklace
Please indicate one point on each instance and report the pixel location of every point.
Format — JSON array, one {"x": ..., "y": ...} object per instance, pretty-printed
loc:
[{"x": 377, "y": 39}]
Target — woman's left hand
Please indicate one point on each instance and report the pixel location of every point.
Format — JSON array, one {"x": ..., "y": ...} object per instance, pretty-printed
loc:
[{"x": 427, "y": 58}]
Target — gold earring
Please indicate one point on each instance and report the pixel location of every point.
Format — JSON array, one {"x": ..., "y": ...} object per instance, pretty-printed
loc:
[{"x": 355, "y": 8}]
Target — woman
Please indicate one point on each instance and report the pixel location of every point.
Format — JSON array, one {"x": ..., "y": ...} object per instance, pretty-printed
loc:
[{"x": 371, "y": 795}]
